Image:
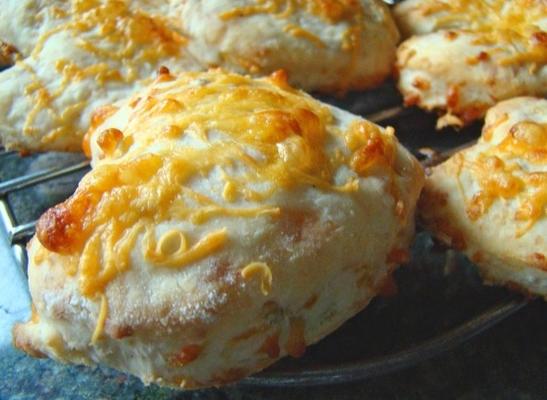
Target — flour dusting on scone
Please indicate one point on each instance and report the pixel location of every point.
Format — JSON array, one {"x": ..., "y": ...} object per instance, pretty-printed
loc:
[
  {"x": 462, "y": 57},
  {"x": 226, "y": 222},
  {"x": 490, "y": 200}
]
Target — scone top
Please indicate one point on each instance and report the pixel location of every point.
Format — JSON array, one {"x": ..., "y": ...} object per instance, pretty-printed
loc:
[
  {"x": 520, "y": 22},
  {"x": 464, "y": 56},
  {"x": 329, "y": 10},
  {"x": 254, "y": 140},
  {"x": 490, "y": 200},
  {"x": 509, "y": 161}
]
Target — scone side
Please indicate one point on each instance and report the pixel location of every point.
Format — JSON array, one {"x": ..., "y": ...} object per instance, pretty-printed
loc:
[{"x": 506, "y": 243}]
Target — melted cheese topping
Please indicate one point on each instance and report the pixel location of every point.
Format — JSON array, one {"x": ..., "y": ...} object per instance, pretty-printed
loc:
[
  {"x": 101, "y": 319},
  {"x": 158, "y": 255},
  {"x": 503, "y": 172},
  {"x": 258, "y": 137},
  {"x": 136, "y": 35},
  {"x": 263, "y": 271},
  {"x": 331, "y": 11},
  {"x": 107, "y": 30},
  {"x": 516, "y": 23},
  {"x": 348, "y": 12},
  {"x": 299, "y": 32}
]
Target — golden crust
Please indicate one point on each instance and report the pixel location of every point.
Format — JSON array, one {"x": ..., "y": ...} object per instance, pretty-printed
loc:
[
  {"x": 489, "y": 200},
  {"x": 234, "y": 222},
  {"x": 462, "y": 57},
  {"x": 8, "y": 54},
  {"x": 94, "y": 53}
]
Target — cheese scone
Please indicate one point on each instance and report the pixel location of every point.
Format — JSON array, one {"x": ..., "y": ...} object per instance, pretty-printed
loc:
[
  {"x": 226, "y": 222},
  {"x": 76, "y": 57},
  {"x": 490, "y": 200},
  {"x": 465, "y": 56},
  {"x": 325, "y": 45}
]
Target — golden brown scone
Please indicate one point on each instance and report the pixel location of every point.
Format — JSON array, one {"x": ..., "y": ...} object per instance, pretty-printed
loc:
[
  {"x": 490, "y": 200},
  {"x": 95, "y": 52},
  {"x": 465, "y": 56},
  {"x": 227, "y": 222}
]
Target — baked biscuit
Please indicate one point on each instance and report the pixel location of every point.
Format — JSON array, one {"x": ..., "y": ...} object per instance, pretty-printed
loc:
[
  {"x": 490, "y": 200},
  {"x": 226, "y": 222},
  {"x": 468, "y": 55},
  {"x": 96, "y": 52},
  {"x": 325, "y": 45},
  {"x": 73, "y": 60}
]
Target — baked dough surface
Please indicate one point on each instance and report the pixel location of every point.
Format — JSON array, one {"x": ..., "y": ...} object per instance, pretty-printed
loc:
[
  {"x": 226, "y": 222},
  {"x": 463, "y": 56},
  {"x": 78, "y": 56},
  {"x": 490, "y": 200}
]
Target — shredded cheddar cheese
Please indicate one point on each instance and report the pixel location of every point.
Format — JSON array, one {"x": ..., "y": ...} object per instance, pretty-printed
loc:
[
  {"x": 114, "y": 22},
  {"x": 519, "y": 24},
  {"x": 108, "y": 30},
  {"x": 101, "y": 319},
  {"x": 502, "y": 175},
  {"x": 255, "y": 138},
  {"x": 298, "y": 32},
  {"x": 172, "y": 243},
  {"x": 349, "y": 12},
  {"x": 263, "y": 271},
  {"x": 229, "y": 192},
  {"x": 205, "y": 246},
  {"x": 329, "y": 10}
]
